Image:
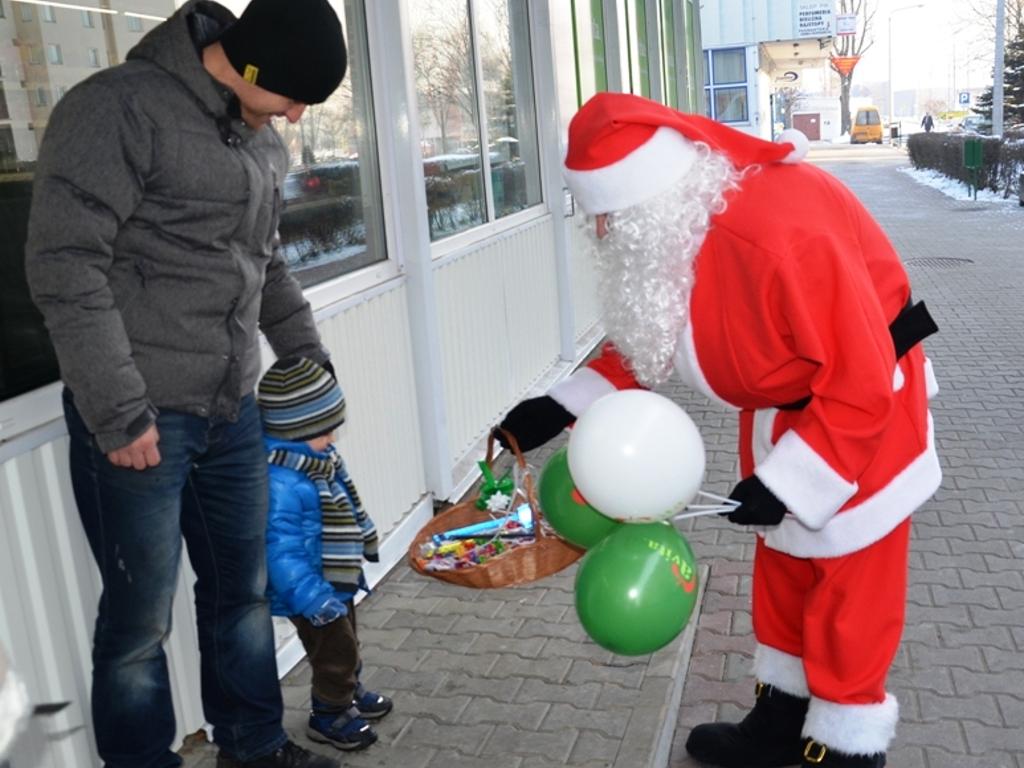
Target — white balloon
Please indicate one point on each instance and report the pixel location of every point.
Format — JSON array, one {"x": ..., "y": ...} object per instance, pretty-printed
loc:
[{"x": 636, "y": 456}]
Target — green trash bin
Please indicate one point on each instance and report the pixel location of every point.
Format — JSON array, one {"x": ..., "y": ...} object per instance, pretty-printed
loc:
[{"x": 973, "y": 162}]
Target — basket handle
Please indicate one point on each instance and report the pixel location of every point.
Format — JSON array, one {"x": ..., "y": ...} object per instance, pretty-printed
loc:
[{"x": 531, "y": 497}]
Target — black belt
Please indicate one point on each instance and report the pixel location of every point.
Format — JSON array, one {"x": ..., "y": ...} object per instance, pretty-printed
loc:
[{"x": 912, "y": 325}]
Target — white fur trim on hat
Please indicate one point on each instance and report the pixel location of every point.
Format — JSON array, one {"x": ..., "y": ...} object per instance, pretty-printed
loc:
[
  {"x": 648, "y": 170},
  {"x": 853, "y": 729},
  {"x": 801, "y": 146}
]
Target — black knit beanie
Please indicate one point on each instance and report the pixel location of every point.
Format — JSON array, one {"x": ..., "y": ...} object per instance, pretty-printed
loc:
[{"x": 293, "y": 48}]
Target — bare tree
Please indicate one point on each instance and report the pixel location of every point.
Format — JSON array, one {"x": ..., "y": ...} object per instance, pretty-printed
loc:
[
  {"x": 787, "y": 98},
  {"x": 443, "y": 60},
  {"x": 851, "y": 45}
]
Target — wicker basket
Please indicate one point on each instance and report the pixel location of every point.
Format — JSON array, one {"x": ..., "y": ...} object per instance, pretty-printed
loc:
[{"x": 548, "y": 554}]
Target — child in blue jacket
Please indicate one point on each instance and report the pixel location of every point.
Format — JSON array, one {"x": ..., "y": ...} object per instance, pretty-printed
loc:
[{"x": 317, "y": 537}]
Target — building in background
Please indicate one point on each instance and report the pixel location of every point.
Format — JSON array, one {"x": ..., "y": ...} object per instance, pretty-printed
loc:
[
  {"x": 426, "y": 218},
  {"x": 756, "y": 49}
]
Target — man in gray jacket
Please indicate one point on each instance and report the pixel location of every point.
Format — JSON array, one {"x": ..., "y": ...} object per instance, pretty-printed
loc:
[{"x": 152, "y": 254}]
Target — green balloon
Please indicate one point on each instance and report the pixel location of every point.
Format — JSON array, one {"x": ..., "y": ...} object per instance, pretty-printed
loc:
[
  {"x": 636, "y": 589},
  {"x": 576, "y": 521}
]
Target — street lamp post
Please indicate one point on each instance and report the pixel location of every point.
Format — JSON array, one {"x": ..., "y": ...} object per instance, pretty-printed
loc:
[{"x": 893, "y": 12}]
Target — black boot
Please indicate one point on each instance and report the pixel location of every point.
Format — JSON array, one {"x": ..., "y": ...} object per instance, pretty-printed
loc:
[
  {"x": 817, "y": 754},
  {"x": 289, "y": 756},
  {"x": 768, "y": 737}
]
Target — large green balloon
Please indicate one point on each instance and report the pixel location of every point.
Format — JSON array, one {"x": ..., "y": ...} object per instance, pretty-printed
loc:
[
  {"x": 636, "y": 589},
  {"x": 569, "y": 514}
]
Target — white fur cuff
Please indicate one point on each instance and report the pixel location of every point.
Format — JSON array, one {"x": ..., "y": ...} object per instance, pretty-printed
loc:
[
  {"x": 780, "y": 670},
  {"x": 853, "y": 729},
  {"x": 577, "y": 392},
  {"x": 804, "y": 481}
]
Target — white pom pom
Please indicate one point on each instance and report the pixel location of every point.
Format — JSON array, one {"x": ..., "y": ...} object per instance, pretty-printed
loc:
[{"x": 800, "y": 144}]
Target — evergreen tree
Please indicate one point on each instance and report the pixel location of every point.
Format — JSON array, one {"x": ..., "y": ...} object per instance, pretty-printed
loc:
[{"x": 1013, "y": 84}]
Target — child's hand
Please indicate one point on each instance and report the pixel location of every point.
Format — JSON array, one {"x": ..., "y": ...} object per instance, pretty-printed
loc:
[{"x": 331, "y": 610}]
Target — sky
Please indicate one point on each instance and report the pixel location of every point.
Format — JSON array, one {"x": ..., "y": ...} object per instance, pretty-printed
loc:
[{"x": 940, "y": 44}]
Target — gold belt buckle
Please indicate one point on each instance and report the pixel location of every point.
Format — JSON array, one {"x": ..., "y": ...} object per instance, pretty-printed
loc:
[
  {"x": 758, "y": 689},
  {"x": 814, "y": 759}
]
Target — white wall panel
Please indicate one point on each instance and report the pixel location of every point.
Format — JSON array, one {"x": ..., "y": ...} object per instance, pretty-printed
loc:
[
  {"x": 372, "y": 355},
  {"x": 499, "y": 327},
  {"x": 586, "y": 307}
]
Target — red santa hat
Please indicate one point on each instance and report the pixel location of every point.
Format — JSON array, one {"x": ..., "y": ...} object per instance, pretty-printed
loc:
[{"x": 624, "y": 149}]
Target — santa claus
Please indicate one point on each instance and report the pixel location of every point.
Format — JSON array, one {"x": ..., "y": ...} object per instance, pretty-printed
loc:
[{"x": 763, "y": 283}]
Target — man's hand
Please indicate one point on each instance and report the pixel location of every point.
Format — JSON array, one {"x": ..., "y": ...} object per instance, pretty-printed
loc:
[
  {"x": 535, "y": 421},
  {"x": 758, "y": 505},
  {"x": 140, "y": 454}
]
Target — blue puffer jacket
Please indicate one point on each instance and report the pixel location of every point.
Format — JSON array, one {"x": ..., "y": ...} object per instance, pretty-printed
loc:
[{"x": 295, "y": 584}]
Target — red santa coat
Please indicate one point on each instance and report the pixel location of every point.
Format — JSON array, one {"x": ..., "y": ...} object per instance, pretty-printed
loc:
[{"x": 794, "y": 290}]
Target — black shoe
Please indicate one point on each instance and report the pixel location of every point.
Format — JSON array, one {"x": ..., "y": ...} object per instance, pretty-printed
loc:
[
  {"x": 289, "y": 756},
  {"x": 768, "y": 737},
  {"x": 816, "y": 753}
]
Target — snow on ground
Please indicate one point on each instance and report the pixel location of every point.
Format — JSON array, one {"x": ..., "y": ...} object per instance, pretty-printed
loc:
[{"x": 954, "y": 188}]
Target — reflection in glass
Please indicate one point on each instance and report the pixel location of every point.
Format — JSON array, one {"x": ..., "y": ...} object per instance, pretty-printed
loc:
[
  {"x": 731, "y": 105},
  {"x": 332, "y": 218},
  {"x": 446, "y": 94},
  {"x": 508, "y": 94}
]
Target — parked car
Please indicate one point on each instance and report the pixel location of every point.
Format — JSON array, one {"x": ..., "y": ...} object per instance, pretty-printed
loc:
[
  {"x": 975, "y": 124},
  {"x": 867, "y": 126}
]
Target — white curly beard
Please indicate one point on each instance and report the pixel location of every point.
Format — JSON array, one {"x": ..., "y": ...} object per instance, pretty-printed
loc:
[{"x": 645, "y": 264}]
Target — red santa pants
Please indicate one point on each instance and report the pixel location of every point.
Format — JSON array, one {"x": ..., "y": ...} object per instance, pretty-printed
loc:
[{"x": 842, "y": 616}]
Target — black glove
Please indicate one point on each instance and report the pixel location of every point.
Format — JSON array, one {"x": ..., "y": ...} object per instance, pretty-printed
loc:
[
  {"x": 535, "y": 421},
  {"x": 330, "y": 369},
  {"x": 758, "y": 505}
]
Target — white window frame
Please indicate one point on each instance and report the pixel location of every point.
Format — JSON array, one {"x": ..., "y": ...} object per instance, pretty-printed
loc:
[
  {"x": 54, "y": 53},
  {"x": 87, "y": 20},
  {"x": 712, "y": 86},
  {"x": 48, "y": 14},
  {"x": 93, "y": 55}
]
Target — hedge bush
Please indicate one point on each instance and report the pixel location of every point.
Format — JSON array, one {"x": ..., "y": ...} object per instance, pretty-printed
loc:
[{"x": 1002, "y": 159}]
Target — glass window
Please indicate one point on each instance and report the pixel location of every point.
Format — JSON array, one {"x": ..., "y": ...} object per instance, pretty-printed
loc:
[
  {"x": 637, "y": 48},
  {"x": 3, "y": 14},
  {"x": 26, "y": 13},
  {"x": 332, "y": 222},
  {"x": 54, "y": 54},
  {"x": 134, "y": 23},
  {"x": 508, "y": 95},
  {"x": 446, "y": 94},
  {"x": 333, "y": 215},
  {"x": 726, "y": 96},
  {"x": 729, "y": 66},
  {"x": 451, "y": 92},
  {"x": 48, "y": 14},
  {"x": 668, "y": 47}
]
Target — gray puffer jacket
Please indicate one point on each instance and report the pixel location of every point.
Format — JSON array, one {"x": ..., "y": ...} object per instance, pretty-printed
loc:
[{"x": 152, "y": 239}]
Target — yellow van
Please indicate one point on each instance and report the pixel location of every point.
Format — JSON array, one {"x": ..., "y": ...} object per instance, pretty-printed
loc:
[{"x": 867, "y": 126}]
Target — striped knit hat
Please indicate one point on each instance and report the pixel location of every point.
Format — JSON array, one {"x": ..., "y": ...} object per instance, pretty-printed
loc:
[{"x": 299, "y": 400}]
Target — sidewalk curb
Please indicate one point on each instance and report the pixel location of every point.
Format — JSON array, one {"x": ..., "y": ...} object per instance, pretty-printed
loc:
[{"x": 663, "y": 745}]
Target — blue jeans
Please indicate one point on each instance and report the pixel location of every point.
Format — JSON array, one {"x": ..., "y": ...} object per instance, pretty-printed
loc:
[{"x": 211, "y": 488}]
